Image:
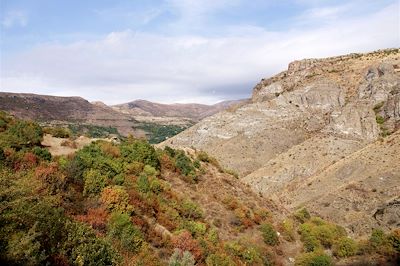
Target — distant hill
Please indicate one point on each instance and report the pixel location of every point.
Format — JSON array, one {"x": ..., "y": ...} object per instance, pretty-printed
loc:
[
  {"x": 55, "y": 109},
  {"x": 140, "y": 118},
  {"x": 191, "y": 111}
]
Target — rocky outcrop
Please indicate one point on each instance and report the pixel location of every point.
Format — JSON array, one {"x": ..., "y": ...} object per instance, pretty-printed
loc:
[{"x": 305, "y": 137}]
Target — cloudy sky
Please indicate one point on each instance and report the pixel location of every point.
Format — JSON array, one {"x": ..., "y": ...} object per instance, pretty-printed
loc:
[{"x": 177, "y": 50}]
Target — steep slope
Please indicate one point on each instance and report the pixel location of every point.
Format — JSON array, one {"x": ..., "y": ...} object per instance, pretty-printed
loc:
[
  {"x": 307, "y": 120},
  {"x": 64, "y": 109}
]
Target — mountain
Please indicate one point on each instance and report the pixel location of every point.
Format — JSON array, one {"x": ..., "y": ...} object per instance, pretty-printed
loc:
[
  {"x": 173, "y": 113},
  {"x": 55, "y": 109},
  {"x": 140, "y": 118},
  {"x": 322, "y": 134}
]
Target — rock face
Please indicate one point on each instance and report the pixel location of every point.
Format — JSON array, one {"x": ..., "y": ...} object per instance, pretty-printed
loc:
[{"x": 309, "y": 134}]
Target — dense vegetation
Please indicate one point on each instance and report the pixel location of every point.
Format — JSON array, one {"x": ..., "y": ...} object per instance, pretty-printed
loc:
[
  {"x": 75, "y": 130},
  {"x": 107, "y": 204},
  {"x": 157, "y": 133},
  {"x": 112, "y": 204}
]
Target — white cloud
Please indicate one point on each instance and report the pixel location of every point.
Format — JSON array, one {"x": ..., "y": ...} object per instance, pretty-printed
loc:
[
  {"x": 128, "y": 65},
  {"x": 15, "y": 18}
]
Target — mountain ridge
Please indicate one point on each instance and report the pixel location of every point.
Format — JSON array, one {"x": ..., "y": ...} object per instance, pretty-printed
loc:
[{"x": 302, "y": 122}]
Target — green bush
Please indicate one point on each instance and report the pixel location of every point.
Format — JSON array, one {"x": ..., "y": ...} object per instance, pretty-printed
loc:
[
  {"x": 58, "y": 132},
  {"x": 317, "y": 232},
  {"x": 269, "y": 234},
  {"x": 171, "y": 152},
  {"x": 380, "y": 120},
  {"x": 134, "y": 168},
  {"x": 302, "y": 215},
  {"x": 219, "y": 260},
  {"x": 143, "y": 184},
  {"x": 83, "y": 247},
  {"x": 197, "y": 229},
  {"x": 317, "y": 258},
  {"x": 139, "y": 151},
  {"x": 288, "y": 230},
  {"x": 246, "y": 252},
  {"x": 42, "y": 153},
  {"x": 21, "y": 134},
  {"x": 345, "y": 247},
  {"x": 94, "y": 182},
  {"x": 120, "y": 227},
  {"x": 191, "y": 210},
  {"x": 378, "y": 238},
  {"x": 183, "y": 163}
]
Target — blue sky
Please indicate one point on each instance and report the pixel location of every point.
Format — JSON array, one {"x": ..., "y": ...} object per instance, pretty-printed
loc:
[{"x": 177, "y": 50}]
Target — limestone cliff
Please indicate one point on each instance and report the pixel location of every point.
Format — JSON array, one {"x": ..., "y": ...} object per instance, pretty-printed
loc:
[{"x": 304, "y": 122}]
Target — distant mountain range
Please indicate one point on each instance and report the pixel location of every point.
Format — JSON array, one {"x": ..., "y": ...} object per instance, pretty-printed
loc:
[{"x": 126, "y": 118}]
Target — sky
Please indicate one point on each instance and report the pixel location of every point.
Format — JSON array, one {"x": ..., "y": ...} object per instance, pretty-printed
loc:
[{"x": 202, "y": 51}]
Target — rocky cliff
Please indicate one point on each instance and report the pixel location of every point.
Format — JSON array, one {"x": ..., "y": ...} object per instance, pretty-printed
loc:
[{"x": 316, "y": 135}]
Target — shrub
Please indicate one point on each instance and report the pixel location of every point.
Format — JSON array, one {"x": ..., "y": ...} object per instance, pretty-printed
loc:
[
  {"x": 246, "y": 252},
  {"x": 42, "y": 153},
  {"x": 191, "y": 210},
  {"x": 171, "y": 152},
  {"x": 317, "y": 232},
  {"x": 120, "y": 227},
  {"x": 139, "y": 151},
  {"x": 94, "y": 182},
  {"x": 269, "y": 234},
  {"x": 20, "y": 134},
  {"x": 345, "y": 247},
  {"x": 183, "y": 163},
  {"x": 143, "y": 184},
  {"x": 156, "y": 186},
  {"x": 181, "y": 258},
  {"x": 302, "y": 215},
  {"x": 380, "y": 120},
  {"x": 134, "y": 168},
  {"x": 288, "y": 230},
  {"x": 110, "y": 149},
  {"x": 197, "y": 229},
  {"x": 219, "y": 260},
  {"x": 232, "y": 172},
  {"x": 58, "y": 132},
  {"x": 119, "y": 179},
  {"x": 378, "y": 238},
  {"x": 185, "y": 242},
  {"x": 310, "y": 243},
  {"x": 83, "y": 247},
  {"x": 317, "y": 258},
  {"x": 116, "y": 198},
  {"x": 53, "y": 179},
  {"x": 394, "y": 239},
  {"x": 149, "y": 170}
]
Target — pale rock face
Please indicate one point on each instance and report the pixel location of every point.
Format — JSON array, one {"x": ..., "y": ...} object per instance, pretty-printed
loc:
[
  {"x": 310, "y": 137},
  {"x": 270, "y": 91},
  {"x": 324, "y": 95},
  {"x": 355, "y": 120}
]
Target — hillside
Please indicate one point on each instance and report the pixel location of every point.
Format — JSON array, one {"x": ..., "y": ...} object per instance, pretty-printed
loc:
[
  {"x": 65, "y": 110},
  {"x": 141, "y": 118},
  {"x": 179, "y": 114},
  {"x": 130, "y": 204},
  {"x": 306, "y": 135}
]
